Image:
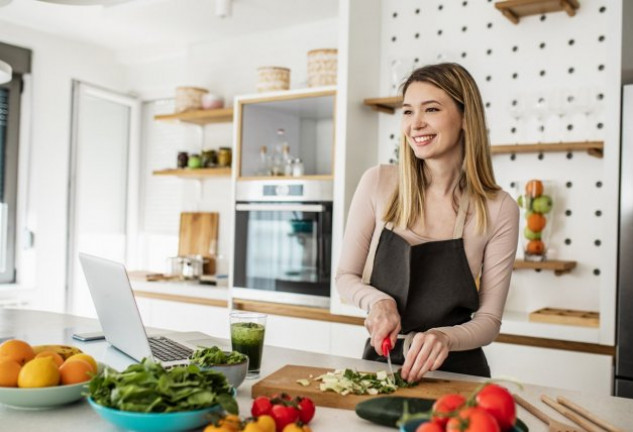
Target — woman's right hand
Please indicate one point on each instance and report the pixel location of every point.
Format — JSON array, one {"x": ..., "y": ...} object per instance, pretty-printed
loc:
[{"x": 383, "y": 321}]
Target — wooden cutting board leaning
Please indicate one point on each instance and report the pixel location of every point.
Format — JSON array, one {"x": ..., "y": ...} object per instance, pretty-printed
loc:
[
  {"x": 199, "y": 236},
  {"x": 285, "y": 379}
]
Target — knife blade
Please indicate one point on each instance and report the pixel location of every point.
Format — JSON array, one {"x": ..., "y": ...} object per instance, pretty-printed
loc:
[{"x": 386, "y": 348}]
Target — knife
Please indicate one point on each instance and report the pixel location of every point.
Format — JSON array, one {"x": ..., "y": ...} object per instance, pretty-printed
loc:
[{"x": 386, "y": 348}]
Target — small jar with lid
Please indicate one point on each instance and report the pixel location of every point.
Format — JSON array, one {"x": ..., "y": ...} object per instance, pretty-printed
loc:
[
  {"x": 297, "y": 167},
  {"x": 194, "y": 161},
  {"x": 224, "y": 156},
  {"x": 183, "y": 159}
]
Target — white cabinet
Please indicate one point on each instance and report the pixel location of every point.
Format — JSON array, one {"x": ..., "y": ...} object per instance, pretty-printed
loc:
[
  {"x": 591, "y": 373},
  {"x": 298, "y": 333},
  {"x": 347, "y": 340}
]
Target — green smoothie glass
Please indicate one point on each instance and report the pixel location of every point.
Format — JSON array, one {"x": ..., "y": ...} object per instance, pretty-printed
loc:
[{"x": 247, "y": 337}]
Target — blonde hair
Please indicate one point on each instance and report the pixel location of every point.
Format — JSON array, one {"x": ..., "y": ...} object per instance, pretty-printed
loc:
[{"x": 476, "y": 179}]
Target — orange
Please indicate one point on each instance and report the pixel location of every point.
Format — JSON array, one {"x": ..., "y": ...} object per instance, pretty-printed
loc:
[
  {"x": 17, "y": 350},
  {"x": 535, "y": 247},
  {"x": 536, "y": 222},
  {"x": 9, "y": 371},
  {"x": 76, "y": 371},
  {"x": 266, "y": 423},
  {"x": 85, "y": 357},
  {"x": 56, "y": 357},
  {"x": 534, "y": 188},
  {"x": 39, "y": 372},
  {"x": 231, "y": 422}
]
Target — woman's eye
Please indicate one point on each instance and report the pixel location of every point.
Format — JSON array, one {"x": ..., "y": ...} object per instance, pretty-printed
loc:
[
  {"x": 432, "y": 109},
  {"x": 407, "y": 112}
]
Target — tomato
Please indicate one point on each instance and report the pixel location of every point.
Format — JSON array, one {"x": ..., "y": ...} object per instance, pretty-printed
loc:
[
  {"x": 280, "y": 397},
  {"x": 284, "y": 415},
  {"x": 261, "y": 406},
  {"x": 306, "y": 409},
  {"x": 231, "y": 422},
  {"x": 430, "y": 427},
  {"x": 445, "y": 406},
  {"x": 498, "y": 401},
  {"x": 473, "y": 419},
  {"x": 252, "y": 427}
]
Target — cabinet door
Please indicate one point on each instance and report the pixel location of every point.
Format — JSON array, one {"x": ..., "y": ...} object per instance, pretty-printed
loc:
[
  {"x": 347, "y": 340},
  {"x": 552, "y": 368},
  {"x": 178, "y": 316},
  {"x": 298, "y": 333}
]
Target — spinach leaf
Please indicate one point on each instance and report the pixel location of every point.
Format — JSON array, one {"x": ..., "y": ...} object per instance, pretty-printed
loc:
[{"x": 215, "y": 356}]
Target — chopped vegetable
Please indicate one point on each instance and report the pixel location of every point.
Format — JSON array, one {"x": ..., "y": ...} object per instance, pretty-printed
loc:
[
  {"x": 304, "y": 382},
  {"x": 213, "y": 356},
  {"x": 348, "y": 381},
  {"x": 148, "y": 387}
]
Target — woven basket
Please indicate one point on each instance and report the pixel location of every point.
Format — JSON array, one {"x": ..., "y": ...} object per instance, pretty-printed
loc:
[
  {"x": 271, "y": 78},
  {"x": 322, "y": 67},
  {"x": 189, "y": 98}
]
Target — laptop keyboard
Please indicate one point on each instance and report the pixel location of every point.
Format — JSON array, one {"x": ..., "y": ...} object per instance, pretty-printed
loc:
[{"x": 167, "y": 350}]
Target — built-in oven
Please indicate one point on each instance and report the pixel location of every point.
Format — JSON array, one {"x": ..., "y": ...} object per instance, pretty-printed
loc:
[{"x": 283, "y": 241}]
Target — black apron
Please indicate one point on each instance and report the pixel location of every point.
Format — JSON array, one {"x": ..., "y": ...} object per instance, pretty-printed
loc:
[{"x": 433, "y": 287}]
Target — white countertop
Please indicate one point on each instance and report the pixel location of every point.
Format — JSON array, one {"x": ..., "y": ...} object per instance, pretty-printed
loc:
[{"x": 45, "y": 327}]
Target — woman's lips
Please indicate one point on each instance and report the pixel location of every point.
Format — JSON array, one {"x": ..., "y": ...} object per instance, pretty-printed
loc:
[{"x": 422, "y": 140}]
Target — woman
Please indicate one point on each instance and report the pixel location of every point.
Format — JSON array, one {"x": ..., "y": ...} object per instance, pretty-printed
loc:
[{"x": 420, "y": 235}]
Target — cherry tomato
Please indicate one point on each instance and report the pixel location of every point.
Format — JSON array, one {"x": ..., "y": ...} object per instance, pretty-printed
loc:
[
  {"x": 473, "y": 419},
  {"x": 446, "y": 406},
  {"x": 284, "y": 415},
  {"x": 430, "y": 427},
  {"x": 261, "y": 406},
  {"x": 306, "y": 409},
  {"x": 498, "y": 401},
  {"x": 252, "y": 427},
  {"x": 295, "y": 427}
]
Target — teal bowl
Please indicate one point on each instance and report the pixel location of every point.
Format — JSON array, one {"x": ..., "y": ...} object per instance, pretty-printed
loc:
[
  {"x": 412, "y": 425},
  {"x": 158, "y": 422}
]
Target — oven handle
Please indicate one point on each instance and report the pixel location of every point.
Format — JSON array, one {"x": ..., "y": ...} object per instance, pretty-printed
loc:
[{"x": 314, "y": 208}]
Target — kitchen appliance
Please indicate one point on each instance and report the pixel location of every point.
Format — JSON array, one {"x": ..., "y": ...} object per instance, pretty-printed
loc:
[
  {"x": 283, "y": 241},
  {"x": 624, "y": 319}
]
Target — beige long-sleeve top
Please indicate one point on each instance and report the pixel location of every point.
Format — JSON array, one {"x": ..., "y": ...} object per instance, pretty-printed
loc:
[{"x": 490, "y": 254}]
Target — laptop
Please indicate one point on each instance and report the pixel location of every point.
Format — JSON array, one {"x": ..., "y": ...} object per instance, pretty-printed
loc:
[{"x": 121, "y": 321}]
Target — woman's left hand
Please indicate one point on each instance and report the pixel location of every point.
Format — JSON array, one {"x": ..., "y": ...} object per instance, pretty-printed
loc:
[{"x": 427, "y": 352}]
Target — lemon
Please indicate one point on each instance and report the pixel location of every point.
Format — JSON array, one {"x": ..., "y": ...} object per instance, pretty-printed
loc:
[{"x": 39, "y": 372}]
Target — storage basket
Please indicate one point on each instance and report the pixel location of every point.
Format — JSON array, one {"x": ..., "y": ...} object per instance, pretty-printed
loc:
[
  {"x": 271, "y": 78},
  {"x": 189, "y": 98},
  {"x": 322, "y": 67}
]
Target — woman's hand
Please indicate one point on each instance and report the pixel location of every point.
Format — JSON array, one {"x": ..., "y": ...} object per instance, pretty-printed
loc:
[
  {"x": 383, "y": 321},
  {"x": 427, "y": 352}
]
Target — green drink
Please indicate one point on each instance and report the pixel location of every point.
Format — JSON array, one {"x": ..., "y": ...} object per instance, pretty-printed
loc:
[{"x": 247, "y": 337}]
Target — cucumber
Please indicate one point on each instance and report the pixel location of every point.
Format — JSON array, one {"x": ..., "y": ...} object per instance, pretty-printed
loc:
[{"x": 387, "y": 410}]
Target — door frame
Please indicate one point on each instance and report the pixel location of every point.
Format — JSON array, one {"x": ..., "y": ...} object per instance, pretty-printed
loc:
[{"x": 80, "y": 89}]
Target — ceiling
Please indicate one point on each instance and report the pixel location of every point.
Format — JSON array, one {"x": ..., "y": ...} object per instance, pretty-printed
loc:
[{"x": 126, "y": 25}]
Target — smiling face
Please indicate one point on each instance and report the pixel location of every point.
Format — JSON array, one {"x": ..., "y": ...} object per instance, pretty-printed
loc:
[{"x": 432, "y": 122}]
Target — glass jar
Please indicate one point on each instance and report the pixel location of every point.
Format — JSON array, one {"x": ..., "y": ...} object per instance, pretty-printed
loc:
[
  {"x": 194, "y": 161},
  {"x": 224, "y": 157},
  {"x": 536, "y": 201},
  {"x": 182, "y": 160},
  {"x": 209, "y": 158}
]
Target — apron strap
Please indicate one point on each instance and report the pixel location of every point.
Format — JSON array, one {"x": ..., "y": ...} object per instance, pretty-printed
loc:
[
  {"x": 458, "y": 231},
  {"x": 371, "y": 253}
]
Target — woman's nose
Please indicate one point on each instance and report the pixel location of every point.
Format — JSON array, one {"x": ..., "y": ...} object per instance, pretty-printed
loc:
[{"x": 419, "y": 121}]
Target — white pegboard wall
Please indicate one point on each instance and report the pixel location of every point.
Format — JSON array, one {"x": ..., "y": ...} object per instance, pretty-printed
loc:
[{"x": 543, "y": 80}]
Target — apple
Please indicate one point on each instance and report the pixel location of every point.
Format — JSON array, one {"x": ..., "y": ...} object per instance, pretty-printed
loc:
[
  {"x": 542, "y": 204},
  {"x": 531, "y": 235}
]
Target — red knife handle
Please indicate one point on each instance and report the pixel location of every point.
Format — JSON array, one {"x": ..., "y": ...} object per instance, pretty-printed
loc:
[{"x": 386, "y": 346}]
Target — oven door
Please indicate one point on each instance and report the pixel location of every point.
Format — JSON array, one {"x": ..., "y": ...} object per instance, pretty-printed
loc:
[{"x": 283, "y": 252}]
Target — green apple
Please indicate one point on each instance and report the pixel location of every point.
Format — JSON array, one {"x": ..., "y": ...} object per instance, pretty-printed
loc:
[
  {"x": 531, "y": 235},
  {"x": 542, "y": 204},
  {"x": 525, "y": 202}
]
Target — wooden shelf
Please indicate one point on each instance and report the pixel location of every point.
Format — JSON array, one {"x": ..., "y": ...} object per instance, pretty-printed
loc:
[
  {"x": 195, "y": 173},
  {"x": 200, "y": 117},
  {"x": 288, "y": 178},
  {"x": 515, "y": 9},
  {"x": 559, "y": 267},
  {"x": 566, "y": 317},
  {"x": 594, "y": 148},
  {"x": 387, "y": 105}
]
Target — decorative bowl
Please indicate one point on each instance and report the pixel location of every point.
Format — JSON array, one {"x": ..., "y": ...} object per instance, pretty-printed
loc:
[
  {"x": 234, "y": 373},
  {"x": 155, "y": 422},
  {"x": 43, "y": 397}
]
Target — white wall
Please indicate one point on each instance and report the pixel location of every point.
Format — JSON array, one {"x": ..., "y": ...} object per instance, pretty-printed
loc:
[{"x": 56, "y": 62}]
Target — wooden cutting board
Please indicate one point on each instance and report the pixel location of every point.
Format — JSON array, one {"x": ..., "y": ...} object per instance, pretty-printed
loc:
[
  {"x": 285, "y": 380},
  {"x": 198, "y": 233}
]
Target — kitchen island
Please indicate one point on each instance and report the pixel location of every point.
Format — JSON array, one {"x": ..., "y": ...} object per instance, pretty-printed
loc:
[{"x": 38, "y": 327}]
